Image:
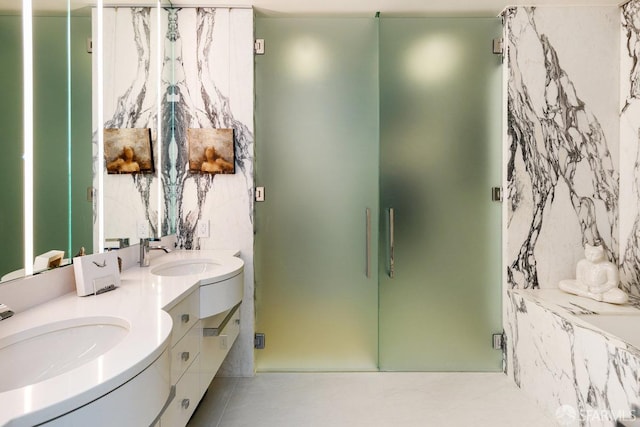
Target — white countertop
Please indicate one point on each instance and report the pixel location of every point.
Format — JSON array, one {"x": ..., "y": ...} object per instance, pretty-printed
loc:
[{"x": 140, "y": 301}]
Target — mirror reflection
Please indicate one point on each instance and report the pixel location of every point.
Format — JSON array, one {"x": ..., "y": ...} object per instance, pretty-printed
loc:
[
  {"x": 61, "y": 213},
  {"x": 133, "y": 123},
  {"x": 67, "y": 144},
  {"x": 11, "y": 208}
]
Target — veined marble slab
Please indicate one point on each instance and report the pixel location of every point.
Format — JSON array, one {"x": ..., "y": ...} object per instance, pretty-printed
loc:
[
  {"x": 629, "y": 142},
  {"x": 562, "y": 168},
  {"x": 569, "y": 365}
]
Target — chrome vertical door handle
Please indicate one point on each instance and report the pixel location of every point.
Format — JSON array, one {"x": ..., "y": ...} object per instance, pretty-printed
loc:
[
  {"x": 368, "y": 231},
  {"x": 392, "y": 267}
]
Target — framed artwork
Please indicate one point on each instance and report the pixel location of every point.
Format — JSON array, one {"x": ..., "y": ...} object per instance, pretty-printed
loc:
[
  {"x": 211, "y": 151},
  {"x": 128, "y": 150}
]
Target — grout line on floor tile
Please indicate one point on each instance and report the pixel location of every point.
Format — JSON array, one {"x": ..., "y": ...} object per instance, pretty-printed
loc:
[{"x": 226, "y": 404}]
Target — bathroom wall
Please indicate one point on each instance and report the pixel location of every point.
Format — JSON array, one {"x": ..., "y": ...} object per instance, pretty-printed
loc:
[
  {"x": 562, "y": 150},
  {"x": 207, "y": 82},
  {"x": 213, "y": 66}
]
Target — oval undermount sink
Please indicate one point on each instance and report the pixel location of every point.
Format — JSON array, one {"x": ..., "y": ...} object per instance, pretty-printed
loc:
[
  {"x": 185, "y": 267},
  {"x": 53, "y": 349}
]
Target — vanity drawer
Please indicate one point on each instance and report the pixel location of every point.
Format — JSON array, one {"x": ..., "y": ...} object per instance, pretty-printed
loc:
[
  {"x": 184, "y": 352},
  {"x": 184, "y": 316},
  {"x": 186, "y": 399}
]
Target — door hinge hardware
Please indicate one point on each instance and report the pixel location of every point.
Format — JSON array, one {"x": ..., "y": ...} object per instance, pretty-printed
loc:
[
  {"x": 91, "y": 194},
  {"x": 258, "y": 47},
  {"x": 258, "y": 341},
  {"x": 496, "y": 194},
  {"x": 498, "y": 46},
  {"x": 498, "y": 341},
  {"x": 89, "y": 45}
]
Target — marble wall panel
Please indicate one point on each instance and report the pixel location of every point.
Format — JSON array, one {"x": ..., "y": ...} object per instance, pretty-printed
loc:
[
  {"x": 629, "y": 138},
  {"x": 213, "y": 88},
  {"x": 562, "y": 140}
]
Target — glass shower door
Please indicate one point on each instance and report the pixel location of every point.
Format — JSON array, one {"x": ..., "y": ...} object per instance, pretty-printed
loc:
[
  {"x": 440, "y": 101},
  {"x": 317, "y": 157}
]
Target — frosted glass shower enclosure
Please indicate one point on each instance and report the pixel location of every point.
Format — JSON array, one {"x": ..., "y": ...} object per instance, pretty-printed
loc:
[{"x": 378, "y": 246}]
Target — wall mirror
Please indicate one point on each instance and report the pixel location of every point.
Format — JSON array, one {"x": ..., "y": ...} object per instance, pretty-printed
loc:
[
  {"x": 57, "y": 94},
  {"x": 47, "y": 126},
  {"x": 132, "y": 78}
]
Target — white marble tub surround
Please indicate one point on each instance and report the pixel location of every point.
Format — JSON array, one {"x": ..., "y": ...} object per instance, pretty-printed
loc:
[
  {"x": 562, "y": 302},
  {"x": 141, "y": 302},
  {"x": 563, "y": 360}
]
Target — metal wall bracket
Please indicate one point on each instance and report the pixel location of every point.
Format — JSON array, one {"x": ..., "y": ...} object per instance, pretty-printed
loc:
[
  {"x": 258, "y": 47},
  {"x": 91, "y": 194},
  {"x": 498, "y": 341},
  {"x": 496, "y": 194},
  {"x": 498, "y": 46},
  {"x": 259, "y": 341}
]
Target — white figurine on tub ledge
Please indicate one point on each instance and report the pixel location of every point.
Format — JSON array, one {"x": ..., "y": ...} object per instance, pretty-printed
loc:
[{"x": 596, "y": 278}]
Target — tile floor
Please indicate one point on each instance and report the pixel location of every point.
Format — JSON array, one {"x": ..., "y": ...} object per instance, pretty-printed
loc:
[{"x": 368, "y": 399}]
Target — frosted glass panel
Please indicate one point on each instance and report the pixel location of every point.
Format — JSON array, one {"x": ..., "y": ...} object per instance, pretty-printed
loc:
[
  {"x": 440, "y": 143},
  {"x": 317, "y": 156}
]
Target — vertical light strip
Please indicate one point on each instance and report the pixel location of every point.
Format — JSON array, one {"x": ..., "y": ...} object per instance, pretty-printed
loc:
[
  {"x": 69, "y": 164},
  {"x": 100, "y": 125},
  {"x": 159, "y": 61},
  {"x": 27, "y": 65}
]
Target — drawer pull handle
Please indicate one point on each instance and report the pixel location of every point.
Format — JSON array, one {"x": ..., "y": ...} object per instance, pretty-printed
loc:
[
  {"x": 184, "y": 356},
  {"x": 185, "y": 318},
  {"x": 214, "y": 332},
  {"x": 185, "y": 403}
]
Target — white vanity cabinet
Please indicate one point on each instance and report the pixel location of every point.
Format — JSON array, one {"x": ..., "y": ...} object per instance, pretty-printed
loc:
[
  {"x": 158, "y": 371},
  {"x": 132, "y": 404},
  {"x": 206, "y": 323},
  {"x": 185, "y": 361},
  {"x": 198, "y": 348}
]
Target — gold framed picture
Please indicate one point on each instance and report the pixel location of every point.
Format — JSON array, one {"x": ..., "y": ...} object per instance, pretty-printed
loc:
[
  {"x": 211, "y": 151},
  {"x": 128, "y": 150}
]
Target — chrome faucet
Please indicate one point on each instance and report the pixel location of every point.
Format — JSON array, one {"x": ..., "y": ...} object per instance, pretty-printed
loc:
[{"x": 145, "y": 248}]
